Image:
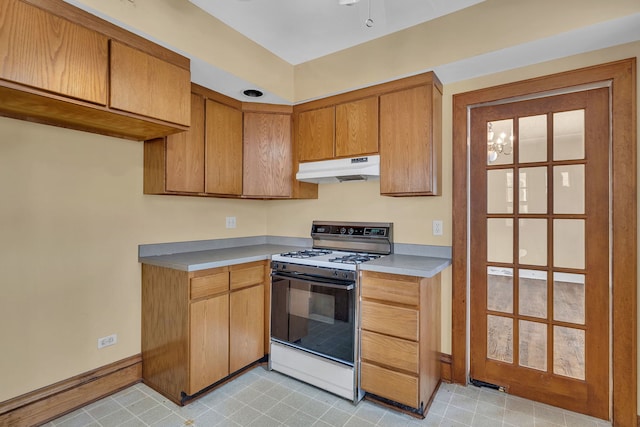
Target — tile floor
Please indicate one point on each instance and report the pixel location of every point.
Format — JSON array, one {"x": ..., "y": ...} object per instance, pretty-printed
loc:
[{"x": 261, "y": 398}]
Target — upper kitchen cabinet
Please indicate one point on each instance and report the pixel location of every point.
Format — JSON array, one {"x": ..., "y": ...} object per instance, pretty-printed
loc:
[
  {"x": 400, "y": 120},
  {"x": 268, "y": 163},
  {"x": 357, "y": 127},
  {"x": 206, "y": 160},
  {"x": 185, "y": 153},
  {"x": 41, "y": 50},
  {"x": 315, "y": 134},
  {"x": 233, "y": 149},
  {"x": 410, "y": 138},
  {"x": 223, "y": 149},
  {"x": 149, "y": 86},
  {"x": 65, "y": 67},
  {"x": 345, "y": 129}
]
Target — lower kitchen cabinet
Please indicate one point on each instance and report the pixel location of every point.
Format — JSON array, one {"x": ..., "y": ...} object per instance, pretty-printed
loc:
[
  {"x": 400, "y": 338},
  {"x": 209, "y": 342},
  {"x": 200, "y": 327},
  {"x": 246, "y": 327}
]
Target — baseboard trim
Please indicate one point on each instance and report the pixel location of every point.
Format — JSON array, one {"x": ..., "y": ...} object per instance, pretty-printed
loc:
[
  {"x": 445, "y": 367},
  {"x": 42, "y": 405}
]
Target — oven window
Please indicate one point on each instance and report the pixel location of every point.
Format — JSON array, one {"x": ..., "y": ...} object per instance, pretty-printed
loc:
[{"x": 314, "y": 317}]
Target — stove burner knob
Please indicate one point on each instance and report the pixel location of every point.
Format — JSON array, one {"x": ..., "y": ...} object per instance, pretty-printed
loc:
[
  {"x": 335, "y": 272},
  {"x": 343, "y": 230},
  {"x": 351, "y": 231}
]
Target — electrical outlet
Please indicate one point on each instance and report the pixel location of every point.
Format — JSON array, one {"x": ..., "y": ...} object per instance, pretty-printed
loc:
[
  {"x": 107, "y": 341},
  {"x": 437, "y": 227},
  {"x": 231, "y": 222}
]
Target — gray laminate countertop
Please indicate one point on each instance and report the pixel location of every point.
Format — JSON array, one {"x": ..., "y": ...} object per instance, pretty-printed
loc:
[
  {"x": 202, "y": 260},
  {"x": 412, "y": 260},
  {"x": 410, "y": 265}
]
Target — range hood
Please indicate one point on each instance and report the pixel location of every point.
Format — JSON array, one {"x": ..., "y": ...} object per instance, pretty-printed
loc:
[{"x": 339, "y": 170}]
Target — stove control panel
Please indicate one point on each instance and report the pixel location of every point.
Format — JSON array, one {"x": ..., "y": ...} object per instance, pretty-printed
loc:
[{"x": 326, "y": 229}]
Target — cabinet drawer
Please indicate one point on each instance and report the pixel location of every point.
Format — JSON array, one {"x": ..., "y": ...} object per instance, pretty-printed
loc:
[
  {"x": 209, "y": 285},
  {"x": 391, "y": 288},
  {"x": 389, "y": 351},
  {"x": 390, "y": 320},
  {"x": 253, "y": 274},
  {"x": 401, "y": 388}
]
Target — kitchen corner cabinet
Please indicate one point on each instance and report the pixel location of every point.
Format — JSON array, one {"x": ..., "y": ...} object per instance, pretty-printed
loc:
[
  {"x": 410, "y": 141},
  {"x": 206, "y": 160},
  {"x": 223, "y": 142},
  {"x": 346, "y": 129},
  {"x": 400, "y": 337},
  {"x": 65, "y": 67},
  {"x": 233, "y": 149},
  {"x": 267, "y": 155},
  {"x": 201, "y": 327}
]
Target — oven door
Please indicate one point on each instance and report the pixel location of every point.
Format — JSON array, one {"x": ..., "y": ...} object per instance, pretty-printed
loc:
[{"x": 314, "y": 314}]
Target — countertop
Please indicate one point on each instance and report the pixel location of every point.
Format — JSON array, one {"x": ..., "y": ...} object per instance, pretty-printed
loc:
[
  {"x": 202, "y": 260},
  {"x": 412, "y": 265}
]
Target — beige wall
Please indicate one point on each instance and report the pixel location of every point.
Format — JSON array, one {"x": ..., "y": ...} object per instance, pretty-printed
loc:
[{"x": 72, "y": 216}]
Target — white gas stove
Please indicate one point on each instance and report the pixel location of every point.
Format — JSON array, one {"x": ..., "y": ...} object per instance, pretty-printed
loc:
[{"x": 314, "y": 304}]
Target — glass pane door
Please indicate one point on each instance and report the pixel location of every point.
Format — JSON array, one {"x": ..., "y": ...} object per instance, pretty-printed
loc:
[{"x": 539, "y": 249}]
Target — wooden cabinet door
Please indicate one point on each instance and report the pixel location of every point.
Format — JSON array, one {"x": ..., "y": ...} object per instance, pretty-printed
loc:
[
  {"x": 410, "y": 141},
  {"x": 146, "y": 85},
  {"x": 315, "y": 133},
  {"x": 267, "y": 168},
  {"x": 224, "y": 149},
  {"x": 209, "y": 342},
  {"x": 357, "y": 127},
  {"x": 185, "y": 153},
  {"x": 246, "y": 328},
  {"x": 50, "y": 53}
]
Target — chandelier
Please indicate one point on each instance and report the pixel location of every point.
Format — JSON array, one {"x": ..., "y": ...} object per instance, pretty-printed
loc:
[{"x": 501, "y": 145}]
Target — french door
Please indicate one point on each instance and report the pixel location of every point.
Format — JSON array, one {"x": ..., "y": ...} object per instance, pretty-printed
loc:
[{"x": 539, "y": 252}]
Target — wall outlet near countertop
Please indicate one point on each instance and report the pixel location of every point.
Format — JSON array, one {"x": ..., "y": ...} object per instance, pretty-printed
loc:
[
  {"x": 231, "y": 222},
  {"x": 107, "y": 341},
  {"x": 437, "y": 227}
]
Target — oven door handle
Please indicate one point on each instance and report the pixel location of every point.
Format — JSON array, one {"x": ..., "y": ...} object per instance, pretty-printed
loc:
[{"x": 306, "y": 279}]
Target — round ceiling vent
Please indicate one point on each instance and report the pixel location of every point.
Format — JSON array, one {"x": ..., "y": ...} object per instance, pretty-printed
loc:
[{"x": 252, "y": 93}]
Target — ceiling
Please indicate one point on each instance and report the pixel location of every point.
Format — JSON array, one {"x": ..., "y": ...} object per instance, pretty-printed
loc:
[{"x": 301, "y": 30}]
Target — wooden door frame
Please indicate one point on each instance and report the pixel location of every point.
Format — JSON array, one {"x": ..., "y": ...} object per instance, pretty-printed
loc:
[{"x": 622, "y": 75}]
